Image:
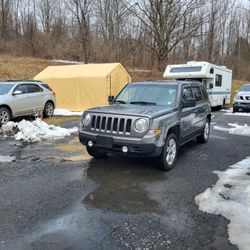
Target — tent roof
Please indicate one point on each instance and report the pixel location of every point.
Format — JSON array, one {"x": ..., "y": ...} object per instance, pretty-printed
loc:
[{"x": 79, "y": 71}]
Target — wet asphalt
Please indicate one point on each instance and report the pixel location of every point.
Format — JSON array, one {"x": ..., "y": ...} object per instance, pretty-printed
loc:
[{"x": 54, "y": 196}]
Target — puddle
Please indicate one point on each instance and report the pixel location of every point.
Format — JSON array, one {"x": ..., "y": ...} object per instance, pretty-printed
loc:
[
  {"x": 81, "y": 157},
  {"x": 7, "y": 158},
  {"x": 72, "y": 146}
]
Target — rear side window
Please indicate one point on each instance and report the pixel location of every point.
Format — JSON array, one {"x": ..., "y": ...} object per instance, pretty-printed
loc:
[
  {"x": 33, "y": 88},
  {"x": 45, "y": 85},
  {"x": 197, "y": 93},
  {"x": 187, "y": 94},
  {"x": 218, "y": 80}
]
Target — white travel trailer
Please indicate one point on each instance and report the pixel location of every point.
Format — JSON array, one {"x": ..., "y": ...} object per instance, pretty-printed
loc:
[{"x": 217, "y": 79}]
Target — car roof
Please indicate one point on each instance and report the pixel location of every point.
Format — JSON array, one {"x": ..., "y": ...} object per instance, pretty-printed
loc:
[
  {"x": 169, "y": 82},
  {"x": 13, "y": 82}
]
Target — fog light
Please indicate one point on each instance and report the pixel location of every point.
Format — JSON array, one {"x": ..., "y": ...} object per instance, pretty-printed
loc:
[
  {"x": 90, "y": 144},
  {"x": 125, "y": 149}
]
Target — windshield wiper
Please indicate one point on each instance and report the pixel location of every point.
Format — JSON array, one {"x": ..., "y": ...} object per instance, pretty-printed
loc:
[
  {"x": 144, "y": 103},
  {"x": 119, "y": 101}
]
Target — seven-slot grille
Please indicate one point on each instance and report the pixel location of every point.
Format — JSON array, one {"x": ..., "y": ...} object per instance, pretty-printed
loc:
[{"x": 113, "y": 125}]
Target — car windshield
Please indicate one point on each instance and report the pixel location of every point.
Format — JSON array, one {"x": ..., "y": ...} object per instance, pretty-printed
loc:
[
  {"x": 5, "y": 88},
  {"x": 148, "y": 94},
  {"x": 245, "y": 88}
]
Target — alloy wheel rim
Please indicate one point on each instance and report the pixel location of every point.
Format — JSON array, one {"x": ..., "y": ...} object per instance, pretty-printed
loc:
[
  {"x": 4, "y": 117},
  {"x": 49, "y": 109},
  {"x": 206, "y": 131},
  {"x": 171, "y": 152}
]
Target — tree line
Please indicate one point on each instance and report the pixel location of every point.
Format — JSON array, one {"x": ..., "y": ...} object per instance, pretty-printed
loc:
[{"x": 139, "y": 33}]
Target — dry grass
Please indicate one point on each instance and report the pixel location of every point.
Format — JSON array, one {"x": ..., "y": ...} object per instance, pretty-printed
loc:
[
  {"x": 19, "y": 68},
  {"x": 60, "y": 120}
]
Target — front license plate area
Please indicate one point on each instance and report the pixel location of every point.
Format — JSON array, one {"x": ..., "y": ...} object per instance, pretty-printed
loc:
[{"x": 103, "y": 141}]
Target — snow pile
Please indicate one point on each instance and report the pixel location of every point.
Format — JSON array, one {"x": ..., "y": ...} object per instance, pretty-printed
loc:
[
  {"x": 230, "y": 197},
  {"x": 9, "y": 127},
  {"x": 7, "y": 158},
  {"x": 37, "y": 131},
  {"x": 235, "y": 129},
  {"x": 67, "y": 62},
  {"x": 65, "y": 112}
]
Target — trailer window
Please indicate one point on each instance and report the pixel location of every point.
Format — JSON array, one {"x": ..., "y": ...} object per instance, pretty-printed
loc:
[
  {"x": 218, "y": 80},
  {"x": 185, "y": 69},
  {"x": 211, "y": 70},
  {"x": 197, "y": 93}
]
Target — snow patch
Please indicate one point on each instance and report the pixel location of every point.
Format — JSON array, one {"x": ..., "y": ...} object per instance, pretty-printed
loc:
[
  {"x": 67, "y": 62},
  {"x": 235, "y": 129},
  {"x": 7, "y": 158},
  {"x": 230, "y": 197},
  {"x": 237, "y": 114},
  {"x": 37, "y": 131},
  {"x": 65, "y": 112}
]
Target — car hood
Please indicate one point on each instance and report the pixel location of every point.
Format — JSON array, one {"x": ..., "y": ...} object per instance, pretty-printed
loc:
[
  {"x": 244, "y": 93},
  {"x": 134, "y": 110}
]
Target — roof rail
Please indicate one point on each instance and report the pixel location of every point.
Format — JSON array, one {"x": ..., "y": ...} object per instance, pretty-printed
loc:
[{"x": 23, "y": 81}]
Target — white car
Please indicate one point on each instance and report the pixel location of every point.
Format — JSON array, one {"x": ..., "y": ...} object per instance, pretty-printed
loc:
[
  {"x": 242, "y": 99},
  {"x": 19, "y": 98}
]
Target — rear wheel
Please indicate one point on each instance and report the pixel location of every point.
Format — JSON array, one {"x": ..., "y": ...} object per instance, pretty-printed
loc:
[
  {"x": 5, "y": 115},
  {"x": 95, "y": 153},
  {"x": 168, "y": 157},
  {"x": 203, "y": 138},
  {"x": 48, "y": 109}
]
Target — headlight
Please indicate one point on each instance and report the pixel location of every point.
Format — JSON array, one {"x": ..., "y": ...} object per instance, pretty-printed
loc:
[
  {"x": 141, "y": 125},
  {"x": 86, "y": 120}
]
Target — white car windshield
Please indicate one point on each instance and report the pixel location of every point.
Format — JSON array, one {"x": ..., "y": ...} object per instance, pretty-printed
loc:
[
  {"x": 245, "y": 88},
  {"x": 5, "y": 88},
  {"x": 148, "y": 94}
]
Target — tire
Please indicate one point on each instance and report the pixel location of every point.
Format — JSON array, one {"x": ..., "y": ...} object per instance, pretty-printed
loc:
[
  {"x": 48, "y": 109},
  {"x": 95, "y": 153},
  {"x": 168, "y": 156},
  {"x": 223, "y": 104},
  {"x": 5, "y": 115},
  {"x": 235, "y": 109},
  {"x": 203, "y": 138}
]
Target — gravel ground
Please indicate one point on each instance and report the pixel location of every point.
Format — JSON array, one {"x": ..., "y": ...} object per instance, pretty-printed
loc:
[{"x": 53, "y": 196}]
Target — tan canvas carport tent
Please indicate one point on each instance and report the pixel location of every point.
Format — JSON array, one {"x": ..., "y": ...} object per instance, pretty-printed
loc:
[{"x": 83, "y": 86}]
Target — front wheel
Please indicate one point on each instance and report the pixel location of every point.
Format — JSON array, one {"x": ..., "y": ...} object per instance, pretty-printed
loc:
[
  {"x": 168, "y": 157},
  {"x": 48, "y": 109},
  {"x": 235, "y": 109},
  {"x": 95, "y": 153},
  {"x": 203, "y": 138},
  {"x": 5, "y": 115}
]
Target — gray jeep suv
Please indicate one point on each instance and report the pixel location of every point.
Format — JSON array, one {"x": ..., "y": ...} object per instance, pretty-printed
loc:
[{"x": 151, "y": 119}]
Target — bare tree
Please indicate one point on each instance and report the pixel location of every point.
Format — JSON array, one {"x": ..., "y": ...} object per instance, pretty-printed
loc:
[{"x": 82, "y": 11}]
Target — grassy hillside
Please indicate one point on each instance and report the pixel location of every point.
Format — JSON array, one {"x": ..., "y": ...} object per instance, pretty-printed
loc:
[
  {"x": 12, "y": 67},
  {"x": 21, "y": 67}
]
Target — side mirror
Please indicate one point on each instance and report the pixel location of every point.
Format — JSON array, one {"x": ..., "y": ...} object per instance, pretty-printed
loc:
[
  {"x": 17, "y": 92},
  {"x": 211, "y": 85},
  {"x": 189, "y": 103},
  {"x": 111, "y": 98}
]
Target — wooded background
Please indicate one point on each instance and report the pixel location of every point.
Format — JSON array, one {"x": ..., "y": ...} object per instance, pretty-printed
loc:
[{"x": 140, "y": 34}]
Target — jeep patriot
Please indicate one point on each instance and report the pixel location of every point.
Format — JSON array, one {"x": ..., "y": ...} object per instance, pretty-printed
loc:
[{"x": 151, "y": 119}]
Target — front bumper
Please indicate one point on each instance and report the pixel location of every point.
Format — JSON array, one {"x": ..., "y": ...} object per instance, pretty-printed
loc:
[
  {"x": 241, "y": 104},
  {"x": 146, "y": 146}
]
